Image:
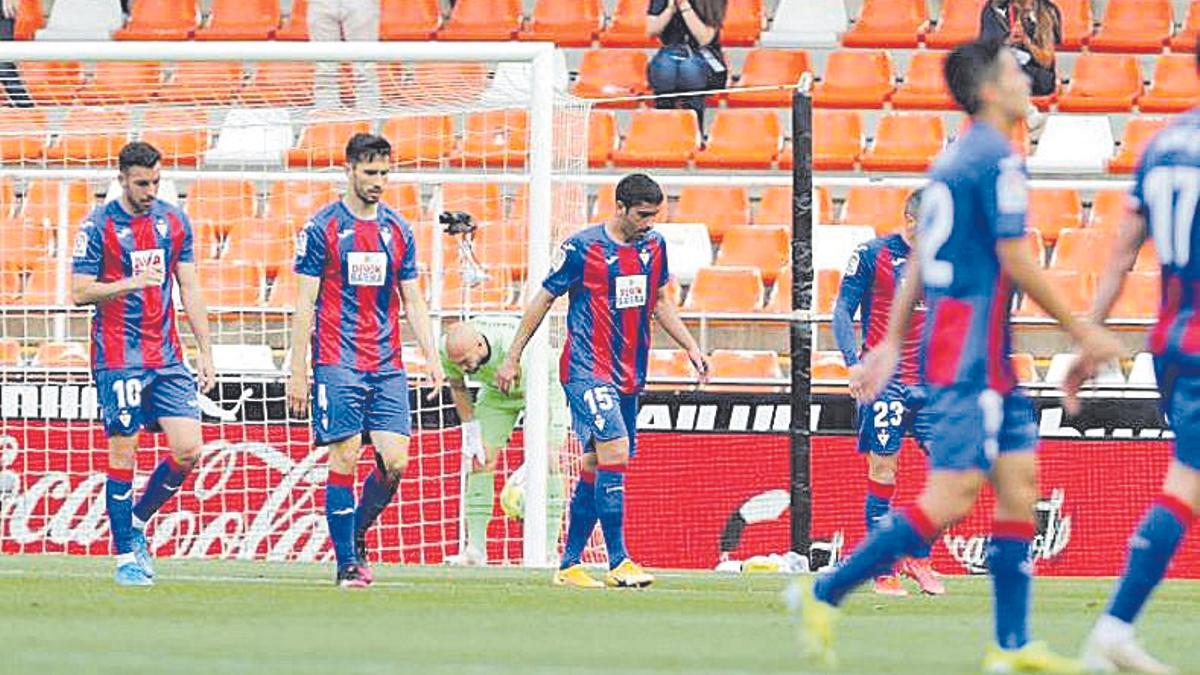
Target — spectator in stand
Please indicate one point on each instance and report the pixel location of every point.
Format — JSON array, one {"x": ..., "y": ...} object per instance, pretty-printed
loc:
[
  {"x": 1032, "y": 28},
  {"x": 352, "y": 21},
  {"x": 690, "y": 58},
  {"x": 18, "y": 96}
]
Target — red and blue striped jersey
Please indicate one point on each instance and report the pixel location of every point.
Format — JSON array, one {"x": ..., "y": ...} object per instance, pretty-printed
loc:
[
  {"x": 977, "y": 196},
  {"x": 135, "y": 330},
  {"x": 360, "y": 264},
  {"x": 612, "y": 291},
  {"x": 872, "y": 279},
  {"x": 1165, "y": 191}
]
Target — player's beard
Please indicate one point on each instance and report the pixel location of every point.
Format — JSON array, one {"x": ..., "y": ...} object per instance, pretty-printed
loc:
[{"x": 368, "y": 197}]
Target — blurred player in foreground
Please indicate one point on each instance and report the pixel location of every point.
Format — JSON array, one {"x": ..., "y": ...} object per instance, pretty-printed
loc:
[
  {"x": 477, "y": 348},
  {"x": 969, "y": 252},
  {"x": 125, "y": 258},
  {"x": 616, "y": 275},
  {"x": 357, "y": 266},
  {"x": 1162, "y": 206},
  {"x": 873, "y": 276}
]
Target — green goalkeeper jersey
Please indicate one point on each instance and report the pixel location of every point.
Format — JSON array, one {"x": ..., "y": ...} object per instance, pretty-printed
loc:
[{"x": 499, "y": 332}]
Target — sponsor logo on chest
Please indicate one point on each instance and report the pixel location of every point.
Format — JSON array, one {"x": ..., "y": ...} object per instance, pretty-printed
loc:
[
  {"x": 147, "y": 259},
  {"x": 631, "y": 291},
  {"x": 366, "y": 268}
]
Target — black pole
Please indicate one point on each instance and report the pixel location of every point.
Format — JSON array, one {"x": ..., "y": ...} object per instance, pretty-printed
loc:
[{"x": 801, "y": 328}]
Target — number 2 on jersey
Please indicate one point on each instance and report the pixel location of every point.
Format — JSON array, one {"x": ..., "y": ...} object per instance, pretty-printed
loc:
[
  {"x": 1171, "y": 195},
  {"x": 937, "y": 220}
]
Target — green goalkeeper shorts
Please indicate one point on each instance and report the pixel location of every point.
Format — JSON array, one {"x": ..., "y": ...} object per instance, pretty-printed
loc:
[{"x": 497, "y": 415}]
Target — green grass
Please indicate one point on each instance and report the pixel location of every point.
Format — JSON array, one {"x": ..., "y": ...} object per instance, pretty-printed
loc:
[{"x": 64, "y": 615}]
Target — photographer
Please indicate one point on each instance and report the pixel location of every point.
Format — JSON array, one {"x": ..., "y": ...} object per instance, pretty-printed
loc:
[
  {"x": 1032, "y": 28},
  {"x": 690, "y": 58}
]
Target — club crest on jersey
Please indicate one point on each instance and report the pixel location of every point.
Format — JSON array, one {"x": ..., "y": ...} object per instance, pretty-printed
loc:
[
  {"x": 645, "y": 256},
  {"x": 144, "y": 260},
  {"x": 386, "y": 235},
  {"x": 161, "y": 226},
  {"x": 366, "y": 268},
  {"x": 81, "y": 242},
  {"x": 631, "y": 291}
]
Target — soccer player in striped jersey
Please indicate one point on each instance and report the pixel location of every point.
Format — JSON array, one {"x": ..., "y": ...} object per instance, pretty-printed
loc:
[
  {"x": 872, "y": 277},
  {"x": 124, "y": 260},
  {"x": 970, "y": 253},
  {"x": 1163, "y": 201},
  {"x": 615, "y": 275},
  {"x": 357, "y": 265}
]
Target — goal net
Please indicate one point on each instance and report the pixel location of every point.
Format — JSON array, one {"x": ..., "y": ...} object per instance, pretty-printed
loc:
[{"x": 252, "y": 147}]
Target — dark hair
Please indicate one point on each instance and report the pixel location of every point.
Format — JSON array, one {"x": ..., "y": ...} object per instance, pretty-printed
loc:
[
  {"x": 912, "y": 205},
  {"x": 711, "y": 12},
  {"x": 638, "y": 188},
  {"x": 138, "y": 153},
  {"x": 968, "y": 67},
  {"x": 367, "y": 147}
]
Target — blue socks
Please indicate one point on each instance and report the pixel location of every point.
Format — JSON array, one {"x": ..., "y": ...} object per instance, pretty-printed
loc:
[
  {"x": 1012, "y": 582},
  {"x": 1150, "y": 551},
  {"x": 166, "y": 480},
  {"x": 118, "y": 497},
  {"x": 339, "y": 514},
  {"x": 377, "y": 493},
  {"x": 582, "y": 519},
  {"x": 898, "y": 535},
  {"x": 610, "y": 507}
]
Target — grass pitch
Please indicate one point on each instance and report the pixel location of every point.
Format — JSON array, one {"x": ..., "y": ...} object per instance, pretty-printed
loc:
[{"x": 65, "y": 615}]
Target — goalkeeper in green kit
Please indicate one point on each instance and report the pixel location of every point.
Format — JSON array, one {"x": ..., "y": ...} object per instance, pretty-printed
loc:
[{"x": 477, "y": 348}]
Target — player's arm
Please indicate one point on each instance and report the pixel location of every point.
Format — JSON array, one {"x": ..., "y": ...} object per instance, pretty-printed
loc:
[
  {"x": 302, "y": 324},
  {"x": 197, "y": 316},
  {"x": 462, "y": 399},
  {"x": 1124, "y": 254},
  {"x": 509, "y": 371},
  {"x": 667, "y": 315},
  {"x": 879, "y": 364},
  {"x": 855, "y": 283},
  {"x": 418, "y": 316},
  {"x": 85, "y": 290}
]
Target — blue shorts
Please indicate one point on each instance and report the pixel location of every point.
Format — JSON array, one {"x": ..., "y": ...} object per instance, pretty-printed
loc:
[
  {"x": 972, "y": 426},
  {"x": 1179, "y": 391},
  {"x": 132, "y": 399},
  {"x": 899, "y": 410},
  {"x": 600, "y": 413},
  {"x": 347, "y": 402}
]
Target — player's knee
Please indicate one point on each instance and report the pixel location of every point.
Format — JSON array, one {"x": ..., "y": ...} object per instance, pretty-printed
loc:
[
  {"x": 187, "y": 456},
  {"x": 614, "y": 452}
]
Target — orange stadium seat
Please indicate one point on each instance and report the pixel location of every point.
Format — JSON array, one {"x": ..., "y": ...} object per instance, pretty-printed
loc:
[
  {"x": 240, "y": 20},
  {"x": 91, "y": 136},
  {"x": 877, "y": 206},
  {"x": 855, "y": 79},
  {"x": 1138, "y": 132},
  {"x": 495, "y": 293},
  {"x": 1077, "y": 23},
  {"x": 665, "y": 363},
  {"x": 409, "y": 19},
  {"x": 958, "y": 23},
  {"x": 23, "y": 134},
  {"x": 888, "y": 23},
  {"x": 278, "y": 83},
  {"x": 1073, "y": 286},
  {"x": 905, "y": 142},
  {"x": 743, "y": 23},
  {"x": 741, "y": 139},
  {"x": 627, "y": 27},
  {"x": 421, "y": 141},
  {"x": 725, "y": 289},
  {"x": 502, "y": 245},
  {"x": 779, "y": 300},
  {"x": 602, "y": 137},
  {"x": 838, "y": 139},
  {"x": 1102, "y": 83},
  {"x": 231, "y": 283},
  {"x": 22, "y": 247},
  {"x": 482, "y": 200},
  {"x": 322, "y": 143},
  {"x": 463, "y": 80},
  {"x": 1052, "y": 210},
  {"x": 11, "y": 281},
  {"x": 266, "y": 241},
  {"x": 40, "y": 204},
  {"x": 160, "y": 20},
  {"x": 766, "y": 67},
  {"x": 744, "y": 364},
  {"x": 612, "y": 73},
  {"x": 659, "y": 138},
  {"x": 775, "y": 205},
  {"x": 296, "y": 28},
  {"x": 719, "y": 207},
  {"x": 1037, "y": 245},
  {"x": 41, "y": 285},
  {"x": 483, "y": 20},
  {"x": 202, "y": 82},
  {"x": 829, "y": 366},
  {"x": 767, "y": 247},
  {"x": 177, "y": 134},
  {"x": 29, "y": 19},
  {"x": 1139, "y": 298},
  {"x": 51, "y": 82},
  {"x": 122, "y": 82},
  {"x": 405, "y": 199},
  {"x": 283, "y": 289},
  {"x": 10, "y": 352},
  {"x": 220, "y": 202},
  {"x": 567, "y": 23},
  {"x": 56, "y": 354},
  {"x": 1147, "y": 258},
  {"x": 924, "y": 86},
  {"x": 1081, "y": 250},
  {"x": 8, "y": 196},
  {"x": 1185, "y": 39},
  {"x": 494, "y": 138},
  {"x": 1175, "y": 87},
  {"x": 1133, "y": 26},
  {"x": 1109, "y": 208},
  {"x": 1023, "y": 367},
  {"x": 292, "y": 203},
  {"x": 786, "y": 157}
]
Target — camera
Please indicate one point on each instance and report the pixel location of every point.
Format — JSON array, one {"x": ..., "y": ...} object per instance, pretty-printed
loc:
[{"x": 457, "y": 222}]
